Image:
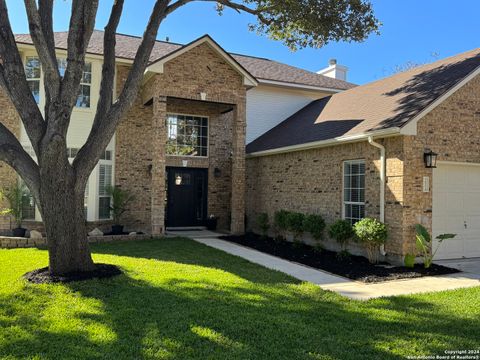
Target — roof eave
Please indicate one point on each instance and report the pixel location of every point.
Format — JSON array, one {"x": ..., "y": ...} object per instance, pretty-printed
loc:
[
  {"x": 330, "y": 142},
  {"x": 298, "y": 86}
]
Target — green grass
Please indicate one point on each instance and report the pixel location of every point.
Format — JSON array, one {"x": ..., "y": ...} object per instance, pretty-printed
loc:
[{"x": 179, "y": 299}]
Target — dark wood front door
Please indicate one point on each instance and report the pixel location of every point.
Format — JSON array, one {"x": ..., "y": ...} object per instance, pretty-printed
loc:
[{"x": 186, "y": 197}]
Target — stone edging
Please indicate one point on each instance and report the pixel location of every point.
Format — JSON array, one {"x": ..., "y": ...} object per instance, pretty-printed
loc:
[{"x": 8, "y": 242}]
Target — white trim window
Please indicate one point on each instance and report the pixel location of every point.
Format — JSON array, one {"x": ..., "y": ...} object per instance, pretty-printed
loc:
[
  {"x": 187, "y": 135},
  {"x": 105, "y": 178},
  {"x": 33, "y": 73},
  {"x": 83, "y": 99},
  {"x": 354, "y": 190}
]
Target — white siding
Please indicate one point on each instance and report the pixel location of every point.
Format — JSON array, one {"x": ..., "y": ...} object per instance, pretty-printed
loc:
[
  {"x": 78, "y": 131},
  {"x": 267, "y": 106}
]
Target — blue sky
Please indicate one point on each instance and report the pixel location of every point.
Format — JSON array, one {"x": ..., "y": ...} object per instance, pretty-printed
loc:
[{"x": 412, "y": 30}]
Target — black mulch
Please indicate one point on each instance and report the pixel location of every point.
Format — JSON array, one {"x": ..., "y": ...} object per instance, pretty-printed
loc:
[
  {"x": 353, "y": 267},
  {"x": 42, "y": 276}
]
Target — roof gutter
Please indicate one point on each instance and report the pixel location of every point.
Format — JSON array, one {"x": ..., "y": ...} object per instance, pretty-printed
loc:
[
  {"x": 330, "y": 142},
  {"x": 298, "y": 86}
]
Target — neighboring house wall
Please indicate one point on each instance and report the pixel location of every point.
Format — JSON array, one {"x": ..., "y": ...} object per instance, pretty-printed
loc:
[
  {"x": 310, "y": 182},
  {"x": 267, "y": 106}
]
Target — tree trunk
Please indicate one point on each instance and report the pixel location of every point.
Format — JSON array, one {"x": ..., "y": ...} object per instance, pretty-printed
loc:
[{"x": 62, "y": 208}]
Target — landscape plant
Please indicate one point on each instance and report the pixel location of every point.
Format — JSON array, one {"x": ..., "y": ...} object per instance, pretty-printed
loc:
[
  {"x": 342, "y": 232},
  {"x": 371, "y": 233},
  {"x": 425, "y": 246},
  {"x": 57, "y": 183},
  {"x": 295, "y": 225},
  {"x": 263, "y": 224},
  {"x": 280, "y": 224},
  {"x": 315, "y": 225},
  {"x": 120, "y": 199},
  {"x": 18, "y": 198}
]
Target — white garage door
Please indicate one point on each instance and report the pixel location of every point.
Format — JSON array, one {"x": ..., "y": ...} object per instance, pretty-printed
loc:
[{"x": 456, "y": 209}]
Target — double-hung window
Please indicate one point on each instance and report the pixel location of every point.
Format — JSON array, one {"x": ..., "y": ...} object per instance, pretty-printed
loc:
[
  {"x": 105, "y": 179},
  {"x": 83, "y": 99},
  {"x": 187, "y": 135},
  {"x": 32, "y": 71},
  {"x": 354, "y": 190}
]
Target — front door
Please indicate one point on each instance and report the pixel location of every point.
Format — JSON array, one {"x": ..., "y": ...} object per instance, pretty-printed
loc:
[{"x": 186, "y": 197}]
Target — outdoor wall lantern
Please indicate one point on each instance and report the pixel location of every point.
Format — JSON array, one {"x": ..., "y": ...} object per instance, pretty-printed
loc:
[
  {"x": 430, "y": 159},
  {"x": 178, "y": 180},
  {"x": 217, "y": 172}
]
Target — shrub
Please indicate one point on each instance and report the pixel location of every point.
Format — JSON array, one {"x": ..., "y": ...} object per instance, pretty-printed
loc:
[
  {"x": 314, "y": 224},
  {"x": 341, "y": 231},
  {"x": 424, "y": 244},
  {"x": 295, "y": 225},
  {"x": 372, "y": 233},
  {"x": 120, "y": 200},
  {"x": 18, "y": 198},
  {"x": 409, "y": 260},
  {"x": 263, "y": 223},
  {"x": 280, "y": 223}
]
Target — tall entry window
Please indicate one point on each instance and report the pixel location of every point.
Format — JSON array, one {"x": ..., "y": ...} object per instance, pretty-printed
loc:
[
  {"x": 354, "y": 190},
  {"x": 187, "y": 135}
]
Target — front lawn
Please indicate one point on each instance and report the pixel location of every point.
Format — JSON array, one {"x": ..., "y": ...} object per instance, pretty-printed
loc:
[{"x": 180, "y": 299}]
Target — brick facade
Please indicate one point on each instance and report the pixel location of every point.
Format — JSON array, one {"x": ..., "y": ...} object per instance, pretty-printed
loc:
[
  {"x": 141, "y": 138},
  {"x": 8, "y": 177},
  {"x": 310, "y": 181},
  {"x": 140, "y": 159}
]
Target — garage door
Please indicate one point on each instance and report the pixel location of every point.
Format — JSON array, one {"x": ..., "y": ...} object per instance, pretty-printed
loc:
[{"x": 456, "y": 209}]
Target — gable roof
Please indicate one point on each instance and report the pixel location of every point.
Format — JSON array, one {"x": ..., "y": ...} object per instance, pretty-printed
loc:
[
  {"x": 264, "y": 70},
  {"x": 157, "y": 65},
  {"x": 383, "y": 106}
]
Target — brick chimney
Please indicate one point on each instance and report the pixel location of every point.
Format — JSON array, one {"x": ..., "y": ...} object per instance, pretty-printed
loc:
[{"x": 334, "y": 70}]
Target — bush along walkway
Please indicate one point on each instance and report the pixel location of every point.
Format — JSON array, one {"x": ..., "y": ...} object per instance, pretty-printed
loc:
[{"x": 343, "y": 286}]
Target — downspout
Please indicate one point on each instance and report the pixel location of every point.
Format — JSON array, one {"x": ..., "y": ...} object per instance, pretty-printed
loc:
[{"x": 382, "y": 184}]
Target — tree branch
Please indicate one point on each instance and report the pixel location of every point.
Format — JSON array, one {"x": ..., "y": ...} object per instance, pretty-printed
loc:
[
  {"x": 108, "y": 69},
  {"x": 101, "y": 135},
  {"x": 41, "y": 31},
  {"x": 82, "y": 22},
  {"x": 12, "y": 152},
  {"x": 13, "y": 79}
]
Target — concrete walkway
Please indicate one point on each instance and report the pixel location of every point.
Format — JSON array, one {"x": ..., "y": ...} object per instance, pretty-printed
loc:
[{"x": 346, "y": 287}]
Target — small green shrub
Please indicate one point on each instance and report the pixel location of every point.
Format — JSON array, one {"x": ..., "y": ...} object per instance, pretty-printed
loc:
[
  {"x": 263, "y": 223},
  {"x": 343, "y": 255},
  {"x": 342, "y": 232},
  {"x": 120, "y": 200},
  {"x": 280, "y": 223},
  {"x": 409, "y": 260},
  {"x": 18, "y": 198},
  {"x": 295, "y": 225},
  {"x": 372, "y": 233},
  {"x": 314, "y": 224},
  {"x": 424, "y": 244}
]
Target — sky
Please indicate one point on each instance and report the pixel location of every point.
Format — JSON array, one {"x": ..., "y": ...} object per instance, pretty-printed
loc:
[{"x": 417, "y": 31}]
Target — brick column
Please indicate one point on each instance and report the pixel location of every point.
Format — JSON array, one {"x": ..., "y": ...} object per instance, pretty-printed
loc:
[
  {"x": 159, "y": 138},
  {"x": 238, "y": 169}
]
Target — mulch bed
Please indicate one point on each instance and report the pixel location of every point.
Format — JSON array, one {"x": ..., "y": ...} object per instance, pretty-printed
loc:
[
  {"x": 42, "y": 276},
  {"x": 353, "y": 267}
]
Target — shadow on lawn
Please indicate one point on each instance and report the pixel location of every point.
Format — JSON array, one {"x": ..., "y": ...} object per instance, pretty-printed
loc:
[{"x": 202, "y": 318}]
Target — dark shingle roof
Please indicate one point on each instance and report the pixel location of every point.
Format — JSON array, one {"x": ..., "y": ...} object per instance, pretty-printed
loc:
[
  {"x": 262, "y": 69},
  {"x": 388, "y": 103}
]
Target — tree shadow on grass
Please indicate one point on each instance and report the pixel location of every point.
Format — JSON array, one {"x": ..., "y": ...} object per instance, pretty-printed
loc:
[{"x": 187, "y": 308}]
